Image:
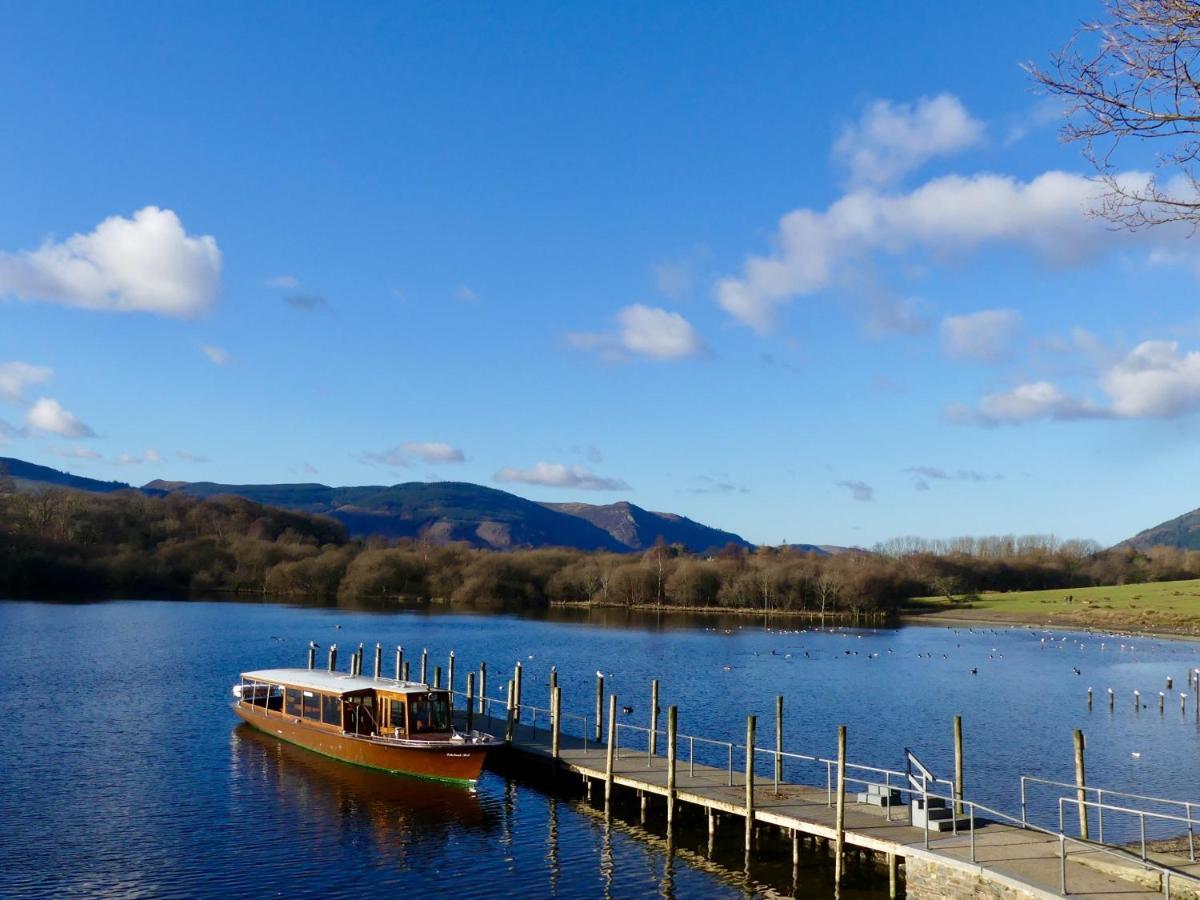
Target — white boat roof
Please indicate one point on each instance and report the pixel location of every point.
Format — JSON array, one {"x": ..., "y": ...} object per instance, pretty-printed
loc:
[{"x": 334, "y": 682}]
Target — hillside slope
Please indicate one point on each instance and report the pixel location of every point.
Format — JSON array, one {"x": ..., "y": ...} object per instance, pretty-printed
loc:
[
  {"x": 29, "y": 476},
  {"x": 637, "y": 529},
  {"x": 1182, "y": 532}
]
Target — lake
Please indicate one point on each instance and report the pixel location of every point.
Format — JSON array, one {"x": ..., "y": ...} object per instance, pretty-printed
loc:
[{"x": 125, "y": 772}]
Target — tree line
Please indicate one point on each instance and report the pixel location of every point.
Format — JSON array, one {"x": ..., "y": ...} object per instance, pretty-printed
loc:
[{"x": 58, "y": 540}]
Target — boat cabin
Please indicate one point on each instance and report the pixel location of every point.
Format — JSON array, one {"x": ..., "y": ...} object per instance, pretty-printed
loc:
[{"x": 351, "y": 704}]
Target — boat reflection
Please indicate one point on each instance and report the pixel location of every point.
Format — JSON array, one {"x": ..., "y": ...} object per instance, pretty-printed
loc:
[{"x": 400, "y": 811}]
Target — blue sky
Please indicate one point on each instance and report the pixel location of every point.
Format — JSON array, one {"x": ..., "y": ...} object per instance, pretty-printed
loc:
[{"x": 812, "y": 273}]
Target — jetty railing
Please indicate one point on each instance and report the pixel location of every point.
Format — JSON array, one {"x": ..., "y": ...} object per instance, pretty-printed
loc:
[{"x": 1189, "y": 816}]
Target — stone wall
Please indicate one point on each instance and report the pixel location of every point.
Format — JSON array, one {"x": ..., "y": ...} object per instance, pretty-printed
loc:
[{"x": 926, "y": 880}]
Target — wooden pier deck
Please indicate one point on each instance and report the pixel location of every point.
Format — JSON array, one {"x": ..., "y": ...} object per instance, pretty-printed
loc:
[{"x": 1009, "y": 861}]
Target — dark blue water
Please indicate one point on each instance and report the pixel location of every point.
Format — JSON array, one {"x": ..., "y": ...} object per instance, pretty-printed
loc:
[{"x": 124, "y": 771}]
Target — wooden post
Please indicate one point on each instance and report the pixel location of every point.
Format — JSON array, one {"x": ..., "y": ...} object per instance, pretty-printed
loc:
[
  {"x": 332, "y": 657},
  {"x": 517, "y": 696},
  {"x": 1081, "y": 782},
  {"x": 1137, "y": 701},
  {"x": 359, "y": 660},
  {"x": 312, "y": 654},
  {"x": 599, "y": 706},
  {"x": 437, "y": 676},
  {"x": 751, "y": 721},
  {"x": 1162, "y": 702},
  {"x": 508, "y": 715},
  {"x": 958, "y": 766},
  {"x": 612, "y": 746},
  {"x": 778, "y": 742},
  {"x": 555, "y": 710},
  {"x": 839, "y": 848},
  {"x": 470, "y": 701},
  {"x": 672, "y": 747},
  {"x": 399, "y": 662},
  {"x": 653, "y": 742},
  {"x": 482, "y": 686},
  {"x": 378, "y": 660},
  {"x": 1112, "y": 699},
  {"x": 1089, "y": 699},
  {"x": 1182, "y": 703},
  {"x": 892, "y": 886},
  {"x": 407, "y": 671},
  {"x": 450, "y": 678},
  {"x": 553, "y": 678},
  {"x": 425, "y": 666}
]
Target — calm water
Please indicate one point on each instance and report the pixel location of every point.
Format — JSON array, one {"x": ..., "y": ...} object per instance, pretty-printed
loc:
[{"x": 124, "y": 771}]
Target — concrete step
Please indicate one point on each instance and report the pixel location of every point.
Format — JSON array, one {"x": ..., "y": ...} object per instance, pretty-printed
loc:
[{"x": 879, "y": 799}]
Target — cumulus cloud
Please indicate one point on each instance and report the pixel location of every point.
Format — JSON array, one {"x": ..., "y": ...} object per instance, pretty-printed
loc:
[
  {"x": 644, "y": 331},
  {"x": 559, "y": 475},
  {"x": 950, "y": 216},
  {"x": 404, "y": 455},
  {"x": 146, "y": 264},
  {"x": 137, "y": 459},
  {"x": 1155, "y": 380},
  {"x": 47, "y": 416},
  {"x": 216, "y": 355},
  {"x": 859, "y": 490},
  {"x": 433, "y": 452},
  {"x": 983, "y": 336},
  {"x": 15, "y": 377},
  {"x": 892, "y": 139},
  {"x": 75, "y": 452}
]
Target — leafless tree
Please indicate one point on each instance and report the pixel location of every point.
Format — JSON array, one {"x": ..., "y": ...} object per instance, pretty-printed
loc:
[{"x": 1130, "y": 76}]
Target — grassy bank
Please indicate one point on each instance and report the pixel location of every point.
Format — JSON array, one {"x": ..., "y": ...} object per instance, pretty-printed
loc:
[{"x": 1169, "y": 607}]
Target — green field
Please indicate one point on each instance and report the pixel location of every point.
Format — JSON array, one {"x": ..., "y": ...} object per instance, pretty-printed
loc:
[{"x": 1166, "y": 606}]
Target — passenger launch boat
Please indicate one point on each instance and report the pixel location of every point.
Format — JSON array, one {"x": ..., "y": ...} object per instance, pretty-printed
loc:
[{"x": 401, "y": 727}]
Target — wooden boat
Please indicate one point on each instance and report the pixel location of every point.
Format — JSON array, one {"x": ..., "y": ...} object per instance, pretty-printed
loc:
[{"x": 400, "y": 727}]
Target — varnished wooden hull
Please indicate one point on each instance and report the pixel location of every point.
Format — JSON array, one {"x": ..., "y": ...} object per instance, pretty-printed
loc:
[{"x": 457, "y": 763}]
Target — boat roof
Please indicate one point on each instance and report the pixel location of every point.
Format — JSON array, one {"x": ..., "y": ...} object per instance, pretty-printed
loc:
[{"x": 334, "y": 682}]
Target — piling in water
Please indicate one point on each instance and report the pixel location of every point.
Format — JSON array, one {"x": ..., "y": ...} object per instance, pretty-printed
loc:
[
  {"x": 750, "y": 727},
  {"x": 1081, "y": 784},
  {"x": 653, "y": 738},
  {"x": 437, "y": 677},
  {"x": 599, "y": 707},
  {"x": 332, "y": 657},
  {"x": 517, "y": 693},
  {"x": 672, "y": 747},
  {"x": 778, "y": 742},
  {"x": 555, "y": 711},
  {"x": 482, "y": 686},
  {"x": 470, "y": 699},
  {"x": 839, "y": 847},
  {"x": 425, "y": 666},
  {"x": 958, "y": 765},
  {"x": 399, "y": 662},
  {"x": 378, "y": 660},
  {"x": 407, "y": 671},
  {"x": 611, "y": 755},
  {"x": 312, "y": 654},
  {"x": 450, "y": 678}
]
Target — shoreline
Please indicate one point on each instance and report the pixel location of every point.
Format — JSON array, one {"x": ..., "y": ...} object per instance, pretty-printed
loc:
[{"x": 949, "y": 620}]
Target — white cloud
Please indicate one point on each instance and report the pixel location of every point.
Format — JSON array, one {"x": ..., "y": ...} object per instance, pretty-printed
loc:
[
  {"x": 190, "y": 457},
  {"x": 892, "y": 139},
  {"x": 1153, "y": 381},
  {"x": 393, "y": 458},
  {"x": 283, "y": 282},
  {"x": 558, "y": 475},
  {"x": 137, "y": 459},
  {"x": 145, "y": 264},
  {"x": 950, "y": 216},
  {"x": 859, "y": 490},
  {"x": 74, "y": 451},
  {"x": 48, "y": 417},
  {"x": 643, "y": 331},
  {"x": 216, "y": 355},
  {"x": 982, "y": 336},
  {"x": 15, "y": 377},
  {"x": 433, "y": 452}
]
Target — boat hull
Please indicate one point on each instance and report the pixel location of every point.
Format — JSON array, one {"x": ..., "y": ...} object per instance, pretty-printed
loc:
[{"x": 459, "y": 763}]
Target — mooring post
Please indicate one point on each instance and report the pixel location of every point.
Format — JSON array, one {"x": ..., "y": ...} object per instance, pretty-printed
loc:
[
  {"x": 1137, "y": 701},
  {"x": 612, "y": 749},
  {"x": 437, "y": 677},
  {"x": 470, "y": 701},
  {"x": 553, "y": 678},
  {"x": 599, "y": 706},
  {"x": 1162, "y": 702},
  {"x": 399, "y": 662},
  {"x": 482, "y": 686},
  {"x": 1182, "y": 703},
  {"x": 508, "y": 714},
  {"x": 1112, "y": 699},
  {"x": 332, "y": 657},
  {"x": 840, "y": 842},
  {"x": 358, "y": 663},
  {"x": 672, "y": 747},
  {"x": 1089, "y": 699},
  {"x": 407, "y": 670},
  {"x": 958, "y": 766},
  {"x": 1081, "y": 784},
  {"x": 778, "y": 742},
  {"x": 517, "y": 695},
  {"x": 891, "y": 864},
  {"x": 751, "y": 721},
  {"x": 425, "y": 666},
  {"x": 378, "y": 660},
  {"x": 312, "y": 654},
  {"x": 450, "y": 678},
  {"x": 555, "y": 712},
  {"x": 652, "y": 743}
]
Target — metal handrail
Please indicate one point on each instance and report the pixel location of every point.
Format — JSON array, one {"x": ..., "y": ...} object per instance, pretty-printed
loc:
[{"x": 1140, "y": 813}]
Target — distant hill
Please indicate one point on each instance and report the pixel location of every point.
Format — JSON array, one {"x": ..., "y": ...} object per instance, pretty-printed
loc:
[
  {"x": 30, "y": 476},
  {"x": 1182, "y": 532},
  {"x": 823, "y": 549},
  {"x": 442, "y": 511},
  {"x": 638, "y": 529}
]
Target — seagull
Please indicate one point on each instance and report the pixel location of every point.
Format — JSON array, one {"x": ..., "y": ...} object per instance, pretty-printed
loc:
[
  {"x": 628, "y": 710},
  {"x": 1136, "y": 755}
]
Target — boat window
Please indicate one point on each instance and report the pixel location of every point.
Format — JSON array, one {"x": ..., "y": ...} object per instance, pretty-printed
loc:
[
  {"x": 396, "y": 714},
  {"x": 331, "y": 710},
  {"x": 291, "y": 702},
  {"x": 312, "y": 705},
  {"x": 429, "y": 714}
]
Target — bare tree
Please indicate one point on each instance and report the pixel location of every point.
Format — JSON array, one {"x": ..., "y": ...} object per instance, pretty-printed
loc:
[{"x": 1130, "y": 76}]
